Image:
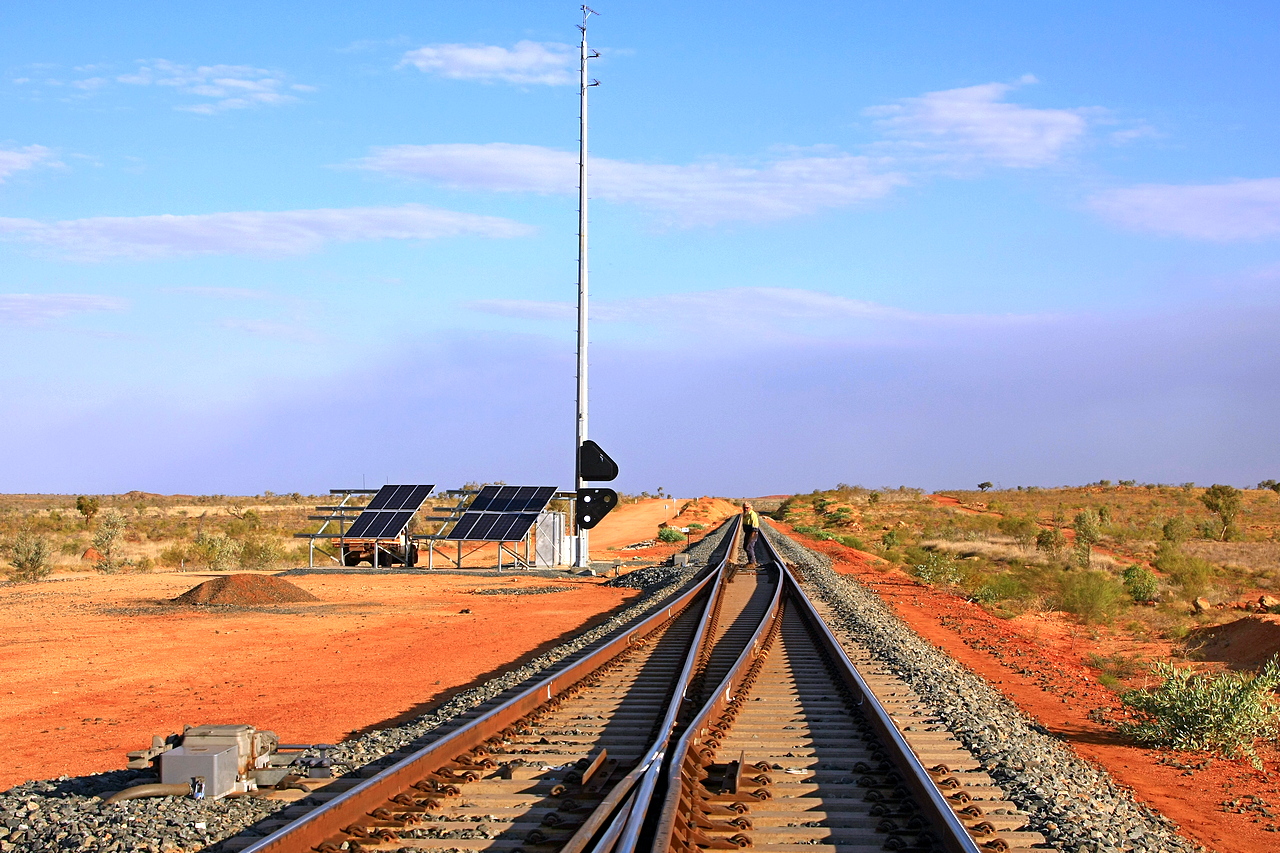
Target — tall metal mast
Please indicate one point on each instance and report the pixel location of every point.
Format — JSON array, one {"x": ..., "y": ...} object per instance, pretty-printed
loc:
[{"x": 582, "y": 557}]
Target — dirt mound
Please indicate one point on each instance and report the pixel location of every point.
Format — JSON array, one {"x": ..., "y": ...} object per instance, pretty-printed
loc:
[
  {"x": 245, "y": 590},
  {"x": 1246, "y": 643}
]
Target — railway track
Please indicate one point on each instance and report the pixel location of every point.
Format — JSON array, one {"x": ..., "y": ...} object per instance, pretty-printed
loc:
[{"x": 731, "y": 718}]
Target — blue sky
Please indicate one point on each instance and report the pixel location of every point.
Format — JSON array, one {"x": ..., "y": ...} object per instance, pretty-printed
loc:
[{"x": 297, "y": 246}]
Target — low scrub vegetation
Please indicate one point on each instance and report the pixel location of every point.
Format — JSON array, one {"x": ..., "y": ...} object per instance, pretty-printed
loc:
[{"x": 1225, "y": 713}]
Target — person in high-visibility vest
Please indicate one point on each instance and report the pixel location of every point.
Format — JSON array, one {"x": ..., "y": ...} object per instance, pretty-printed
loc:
[{"x": 750, "y": 530}]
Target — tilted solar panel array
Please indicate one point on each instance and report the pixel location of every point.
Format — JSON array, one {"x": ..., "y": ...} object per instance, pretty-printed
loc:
[
  {"x": 502, "y": 513},
  {"x": 389, "y": 513}
]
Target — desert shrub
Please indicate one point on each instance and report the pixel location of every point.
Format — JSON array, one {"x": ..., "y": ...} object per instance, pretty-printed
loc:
[
  {"x": 936, "y": 568},
  {"x": 1177, "y": 530},
  {"x": 106, "y": 540},
  {"x": 1088, "y": 530},
  {"x": 1141, "y": 583},
  {"x": 1022, "y": 529},
  {"x": 1051, "y": 541},
  {"x": 695, "y": 527},
  {"x": 29, "y": 557},
  {"x": 1113, "y": 668},
  {"x": 670, "y": 534},
  {"x": 1192, "y": 574},
  {"x": 1092, "y": 595},
  {"x": 1002, "y": 587},
  {"x": 891, "y": 539},
  {"x": 215, "y": 552},
  {"x": 1224, "y": 713},
  {"x": 176, "y": 556},
  {"x": 852, "y": 542},
  {"x": 813, "y": 532},
  {"x": 257, "y": 554}
]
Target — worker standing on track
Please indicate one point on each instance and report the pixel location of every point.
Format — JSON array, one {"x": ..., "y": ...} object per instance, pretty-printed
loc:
[{"x": 750, "y": 530}]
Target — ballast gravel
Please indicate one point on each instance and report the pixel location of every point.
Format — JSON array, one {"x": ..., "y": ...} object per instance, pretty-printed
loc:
[
  {"x": 68, "y": 813},
  {"x": 1076, "y": 805}
]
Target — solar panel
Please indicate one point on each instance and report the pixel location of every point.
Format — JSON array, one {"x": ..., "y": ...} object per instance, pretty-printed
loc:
[
  {"x": 502, "y": 513},
  {"x": 389, "y": 513},
  {"x": 400, "y": 497}
]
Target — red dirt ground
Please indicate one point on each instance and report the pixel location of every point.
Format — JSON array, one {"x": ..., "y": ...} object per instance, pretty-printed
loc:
[
  {"x": 1246, "y": 643},
  {"x": 1039, "y": 663},
  {"x": 92, "y": 666}
]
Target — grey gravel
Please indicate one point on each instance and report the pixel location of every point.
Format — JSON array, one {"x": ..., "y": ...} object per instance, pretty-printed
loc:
[
  {"x": 68, "y": 813},
  {"x": 1076, "y": 805}
]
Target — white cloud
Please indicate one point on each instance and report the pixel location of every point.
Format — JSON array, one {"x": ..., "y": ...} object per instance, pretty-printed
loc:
[
  {"x": 975, "y": 125},
  {"x": 228, "y": 87},
  {"x": 30, "y": 309},
  {"x": 529, "y": 62},
  {"x": 289, "y": 232},
  {"x": 748, "y": 308},
  {"x": 697, "y": 194},
  {"x": 23, "y": 158},
  {"x": 1241, "y": 210}
]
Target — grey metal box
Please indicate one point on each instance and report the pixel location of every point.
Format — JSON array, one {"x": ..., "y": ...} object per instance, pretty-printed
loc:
[{"x": 216, "y": 766}]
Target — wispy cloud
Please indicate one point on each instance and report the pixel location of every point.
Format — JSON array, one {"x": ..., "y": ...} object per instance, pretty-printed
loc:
[
  {"x": 1240, "y": 210},
  {"x": 289, "y": 232},
  {"x": 755, "y": 310},
  {"x": 226, "y": 87},
  {"x": 696, "y": 194},
  {"x": 33, "y": 309},
  {"x": 528, "y": 62},
  {"x": 20, "y": 159},
  {"x": 976, "y": 125},
  {"x": 226, "y": 293}
]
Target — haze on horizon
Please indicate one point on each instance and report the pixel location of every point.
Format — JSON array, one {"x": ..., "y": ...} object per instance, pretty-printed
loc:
[{"x": 297, "y": 247}]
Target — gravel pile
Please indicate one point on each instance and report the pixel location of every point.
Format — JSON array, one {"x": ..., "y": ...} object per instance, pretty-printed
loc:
[
  {"x": 245, "y": 590},
  {"x": 528, "y": 590},
  {"x": 60, "y": 814},
  {"x": 1076, "y": 805}
]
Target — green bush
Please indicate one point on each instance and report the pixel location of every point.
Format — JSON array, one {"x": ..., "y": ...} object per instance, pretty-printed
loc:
[
  {"x": 30, "y": 557},
  {"x": 852, "y": 542},
  {"x": 670, "y": 534},
  {"x": 1092, "y": 595},
  {"x": 1192, "y": 574},
  {"x": 1000, "y": 588},
  {"x": 1141, "y": 583},
  {"x": 695, "y": 527},
  {"x": 1051, "y": 540},
  {"x": 257, "y": 554},
  {"x": 937, "y": 569},
  {"x": 1224, "y": 713},
  {"x": 1023, "y": 529},
  {"x": 105, "y": 540},
  {"x": 215, "y": 552}
]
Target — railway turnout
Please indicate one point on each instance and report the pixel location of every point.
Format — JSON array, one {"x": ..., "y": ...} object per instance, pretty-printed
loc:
[{"x": 730, "y": 718}]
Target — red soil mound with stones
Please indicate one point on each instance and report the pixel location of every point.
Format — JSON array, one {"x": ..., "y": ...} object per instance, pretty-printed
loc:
[
  {"x": 1246, "y": 643},
  {"x": 245, "y": 590}
]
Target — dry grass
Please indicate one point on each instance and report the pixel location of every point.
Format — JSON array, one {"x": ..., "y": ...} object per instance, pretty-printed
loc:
[{"x": 1253, "y": 556}]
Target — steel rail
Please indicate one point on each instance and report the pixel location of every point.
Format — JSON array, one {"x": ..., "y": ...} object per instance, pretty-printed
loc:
[
  {"x": 954, "y": 836},
  {"x": 325, "y": 822},
  {"x": 645, "y": 772},
  {"x": 699, "y": 740},
  {"x": 695, "y": 731}
]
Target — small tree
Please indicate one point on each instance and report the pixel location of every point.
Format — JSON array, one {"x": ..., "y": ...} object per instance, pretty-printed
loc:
[
  {"x": 30, "y": 560},
  {"x": 106, "y": 539},
  {"x": 1093, "y": 596},
  {"x": 1088, "y": 530},
  {"x": 88, "y": 507},
  {"x": 982, "y": 487},
  {"x": 1224, "y": 502},
  {"x": 1269, "y": 484},
  {"x": 1176, "y": 530},
  {"x": 1051, "y": 540}
]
